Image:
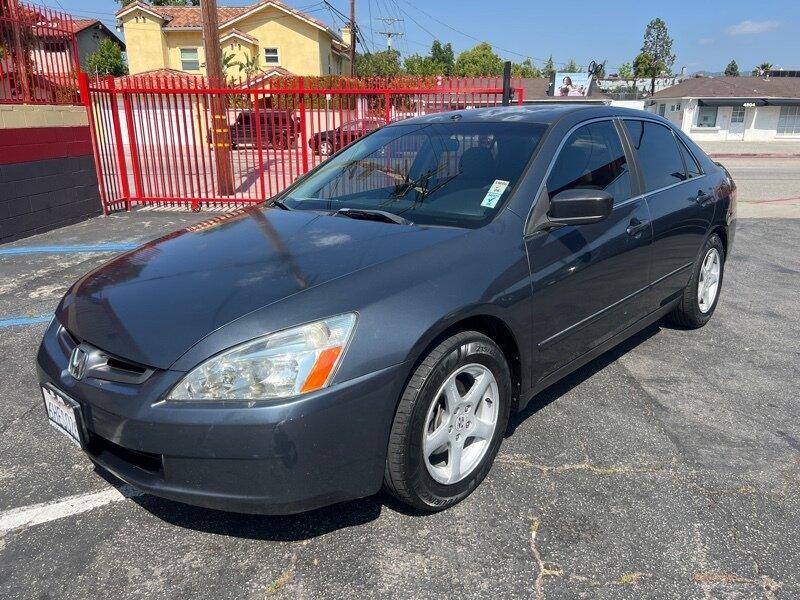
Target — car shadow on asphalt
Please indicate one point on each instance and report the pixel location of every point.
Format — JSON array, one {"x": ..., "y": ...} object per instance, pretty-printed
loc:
[
  {"x": 574, "y": 379},
  {"x": 356, "y": 512}
]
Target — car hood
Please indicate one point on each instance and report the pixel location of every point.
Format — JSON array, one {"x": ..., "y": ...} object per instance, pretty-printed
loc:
[{"x": 152, "y": 304}]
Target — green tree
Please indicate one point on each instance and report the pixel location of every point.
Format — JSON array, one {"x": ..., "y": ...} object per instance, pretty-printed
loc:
[
  {"x": 443, "y": 57},
  {"x": 762, "y": 69},
  {"x": 625, "y": 71},
  {"x": 549, "y": 69},
  {"x": 571, "y": 66},
  {"x": 106, "y": 60},
  {"x": 479, "y": 61},
  {"x": 440, "y": 61},
  {"x": 732, "y": 70},
  {"x": 658, "y": 46},
  {"x": 525, "y": 69},
  {"x": 379, "y": 64}
]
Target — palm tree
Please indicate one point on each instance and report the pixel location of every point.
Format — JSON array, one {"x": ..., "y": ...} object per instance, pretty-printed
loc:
[{"x": 762, "y": 69}]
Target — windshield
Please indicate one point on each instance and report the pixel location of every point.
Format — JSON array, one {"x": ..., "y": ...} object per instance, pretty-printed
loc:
[{"x": 456, "y": 174}]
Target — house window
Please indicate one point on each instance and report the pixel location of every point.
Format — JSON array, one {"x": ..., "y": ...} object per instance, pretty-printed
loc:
[
  {"x": 190, "y": 60},
  {"x": 271, "y": 56},
  {"x": 737, "y": 114},
  {"x": 789, "y": 120},
  {"x": 678, "y": 106},
  {"x": 662, "y": 109},
  {"x": 707, "y": 116}
]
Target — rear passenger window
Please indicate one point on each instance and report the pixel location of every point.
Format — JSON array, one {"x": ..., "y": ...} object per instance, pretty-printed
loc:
[
  {"x": 658, "y": 154},
  {"x": 692, "y": 168},
  {"x": 592, "y": 158}
]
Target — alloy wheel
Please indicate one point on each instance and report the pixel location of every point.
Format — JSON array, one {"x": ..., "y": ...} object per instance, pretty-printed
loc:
[
  {"x": 460, "y": 423},
  {"x": 708, "y": 282}
]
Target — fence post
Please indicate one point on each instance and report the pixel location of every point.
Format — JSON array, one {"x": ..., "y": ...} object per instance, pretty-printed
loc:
[
  {"x": 121, "y": 163},
  {"x": 83, "y": 86},
  {"x": 387, "y": 109},
  {"x": 259, "y": 143},
  {"x": 520, "y": 96},
  {"x": 137, "y": 173},
  {"x": 20, "y": 54},
  {"x": 303, "y": 125}
]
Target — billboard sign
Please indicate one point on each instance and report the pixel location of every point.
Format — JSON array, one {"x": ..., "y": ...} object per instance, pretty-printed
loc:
[{"x": 571, "y": 84}]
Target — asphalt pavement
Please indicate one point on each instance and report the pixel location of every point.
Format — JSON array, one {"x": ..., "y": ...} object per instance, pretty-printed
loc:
[{"x": 667, "y": 468}]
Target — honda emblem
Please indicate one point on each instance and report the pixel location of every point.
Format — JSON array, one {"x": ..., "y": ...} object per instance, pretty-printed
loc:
[{"x": 77, "y": 363}]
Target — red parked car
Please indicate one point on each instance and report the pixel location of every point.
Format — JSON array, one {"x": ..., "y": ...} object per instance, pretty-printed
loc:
[
  {"x": 278, "y": 129},
  {"x": 326, "y": 143}
]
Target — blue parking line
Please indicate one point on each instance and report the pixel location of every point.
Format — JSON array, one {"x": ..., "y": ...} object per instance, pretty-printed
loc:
[
  {"x": 12, "y": 321},
  {"x": 121, "y": 247}
]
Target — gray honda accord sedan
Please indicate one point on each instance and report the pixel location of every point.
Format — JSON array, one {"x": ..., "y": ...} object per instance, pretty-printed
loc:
[{"x": 375, "y": 324}]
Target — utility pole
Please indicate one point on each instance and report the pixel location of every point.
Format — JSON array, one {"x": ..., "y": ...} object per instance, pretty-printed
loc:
[
  {"x": 220, "y": 133},
  {"x": 353, "y": 38},
  {"x": 390, "y": 34}
]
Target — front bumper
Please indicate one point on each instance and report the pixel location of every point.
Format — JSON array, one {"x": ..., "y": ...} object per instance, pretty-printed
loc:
[{"x": 271, "y": 458}]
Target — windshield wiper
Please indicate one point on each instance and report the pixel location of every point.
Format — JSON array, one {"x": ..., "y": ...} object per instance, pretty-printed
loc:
[
  {"x": 373, "y": 215},
  {"x": 279, "y": 203}
]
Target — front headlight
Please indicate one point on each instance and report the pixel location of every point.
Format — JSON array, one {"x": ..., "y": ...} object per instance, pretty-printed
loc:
[{"x": 279, "y": 365}]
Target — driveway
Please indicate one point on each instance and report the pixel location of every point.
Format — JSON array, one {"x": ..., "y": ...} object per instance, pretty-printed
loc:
[{"x": 667, "y": 468}]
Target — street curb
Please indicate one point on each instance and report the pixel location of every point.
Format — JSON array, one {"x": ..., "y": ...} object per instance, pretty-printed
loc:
[{"x": 754, "y": 155}]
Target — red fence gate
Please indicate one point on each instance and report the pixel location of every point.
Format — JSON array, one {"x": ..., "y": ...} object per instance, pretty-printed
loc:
[
  {"x": 38, "y": 55},
  {"x": 175, "y": 141}
]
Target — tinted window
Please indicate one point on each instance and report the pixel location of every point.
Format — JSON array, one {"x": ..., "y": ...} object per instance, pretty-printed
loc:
[
  {"x": 692, "y": 168},
  {"x": 592, "y": 158},
  {"x": 658, "y": 154},
  {"x": 452, "y": 173}
]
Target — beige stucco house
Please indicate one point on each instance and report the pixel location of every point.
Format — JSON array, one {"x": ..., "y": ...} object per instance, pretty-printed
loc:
[{"x": 275, "y": 37}]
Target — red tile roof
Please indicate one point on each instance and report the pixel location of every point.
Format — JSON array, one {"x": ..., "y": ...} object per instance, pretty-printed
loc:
[{"x": 184, "y": 17}]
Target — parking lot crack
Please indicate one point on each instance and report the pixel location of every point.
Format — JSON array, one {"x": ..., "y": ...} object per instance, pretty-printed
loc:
[{"x": 542, "y": 570}]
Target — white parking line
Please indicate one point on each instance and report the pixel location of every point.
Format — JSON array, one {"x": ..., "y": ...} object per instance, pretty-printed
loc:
[{"x": 37, "y": 514}]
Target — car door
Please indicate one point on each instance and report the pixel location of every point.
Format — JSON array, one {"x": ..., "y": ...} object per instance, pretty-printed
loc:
[
  {"x": 681, "y": 201},
  {"x": 588, "y": 281}
]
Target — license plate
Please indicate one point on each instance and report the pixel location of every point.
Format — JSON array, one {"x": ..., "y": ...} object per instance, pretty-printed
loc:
[{"x": 63, "y": 414}]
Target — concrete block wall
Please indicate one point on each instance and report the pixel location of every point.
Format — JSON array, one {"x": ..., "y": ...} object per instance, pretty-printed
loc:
[{"x": 47, "y": 171}]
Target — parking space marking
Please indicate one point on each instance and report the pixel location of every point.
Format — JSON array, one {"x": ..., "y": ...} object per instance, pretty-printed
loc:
[
  {"x": 120, "y": 247},
  {"x": 13, "y": 321},
  {"x": 37, "y": 514}
]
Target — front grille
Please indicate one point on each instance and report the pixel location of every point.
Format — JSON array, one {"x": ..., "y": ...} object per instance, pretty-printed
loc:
[{"x": 101, "y": 364}]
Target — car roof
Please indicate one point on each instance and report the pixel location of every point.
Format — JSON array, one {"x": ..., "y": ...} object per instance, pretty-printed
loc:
[{"x": 537, "y": 113}]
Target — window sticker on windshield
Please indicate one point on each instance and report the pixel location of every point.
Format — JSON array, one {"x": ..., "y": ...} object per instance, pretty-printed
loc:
[{"x": 494, "y": 194}]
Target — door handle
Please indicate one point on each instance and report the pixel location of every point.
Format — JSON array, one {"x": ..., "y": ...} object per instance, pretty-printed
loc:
[
  {"x": 702, "y": 197},
  {"x": 636, "y": 227}
]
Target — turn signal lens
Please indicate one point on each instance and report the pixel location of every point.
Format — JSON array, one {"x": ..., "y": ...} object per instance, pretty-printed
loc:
[{"x": 280, "y": 365}]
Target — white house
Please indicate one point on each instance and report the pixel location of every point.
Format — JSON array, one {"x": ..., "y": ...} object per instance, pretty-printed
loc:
[{"x": 732, "y": 108}]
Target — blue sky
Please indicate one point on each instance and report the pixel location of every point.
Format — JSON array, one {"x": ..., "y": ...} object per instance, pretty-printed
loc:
[{"x": 707, "y": 33}]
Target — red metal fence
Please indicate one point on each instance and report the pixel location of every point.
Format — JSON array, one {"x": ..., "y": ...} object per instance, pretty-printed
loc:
[
  {"x": 176, "y": 141},
  {"x": 38, "y": 55}
]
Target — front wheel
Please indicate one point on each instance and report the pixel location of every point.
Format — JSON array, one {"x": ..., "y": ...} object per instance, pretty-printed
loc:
[
  {"x": 449, "y": 423},
  {"x": 701, "y": 295}
]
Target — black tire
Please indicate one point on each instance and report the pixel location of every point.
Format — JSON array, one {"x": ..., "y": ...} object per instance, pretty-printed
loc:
[
  {"x": 325, "y": 148},
  {"x": 687, "y": 313},
  {"x": 406, "y": 476}
]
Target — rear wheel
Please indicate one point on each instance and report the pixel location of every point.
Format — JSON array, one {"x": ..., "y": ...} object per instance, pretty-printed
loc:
[
  {"x": 325, "y": 148},
  {"x": 700, "y": 297},
  {"x": 449, "y": 423}
]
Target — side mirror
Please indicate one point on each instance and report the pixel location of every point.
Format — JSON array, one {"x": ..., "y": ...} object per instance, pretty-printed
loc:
[{"x": 579, "y": 207}]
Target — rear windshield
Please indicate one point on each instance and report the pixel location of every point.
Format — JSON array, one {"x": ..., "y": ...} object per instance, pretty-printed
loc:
[{"x": 456, "y": 174}]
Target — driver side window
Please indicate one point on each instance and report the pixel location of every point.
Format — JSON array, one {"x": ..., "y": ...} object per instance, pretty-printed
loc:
[{"x": 592, "y": 158}]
